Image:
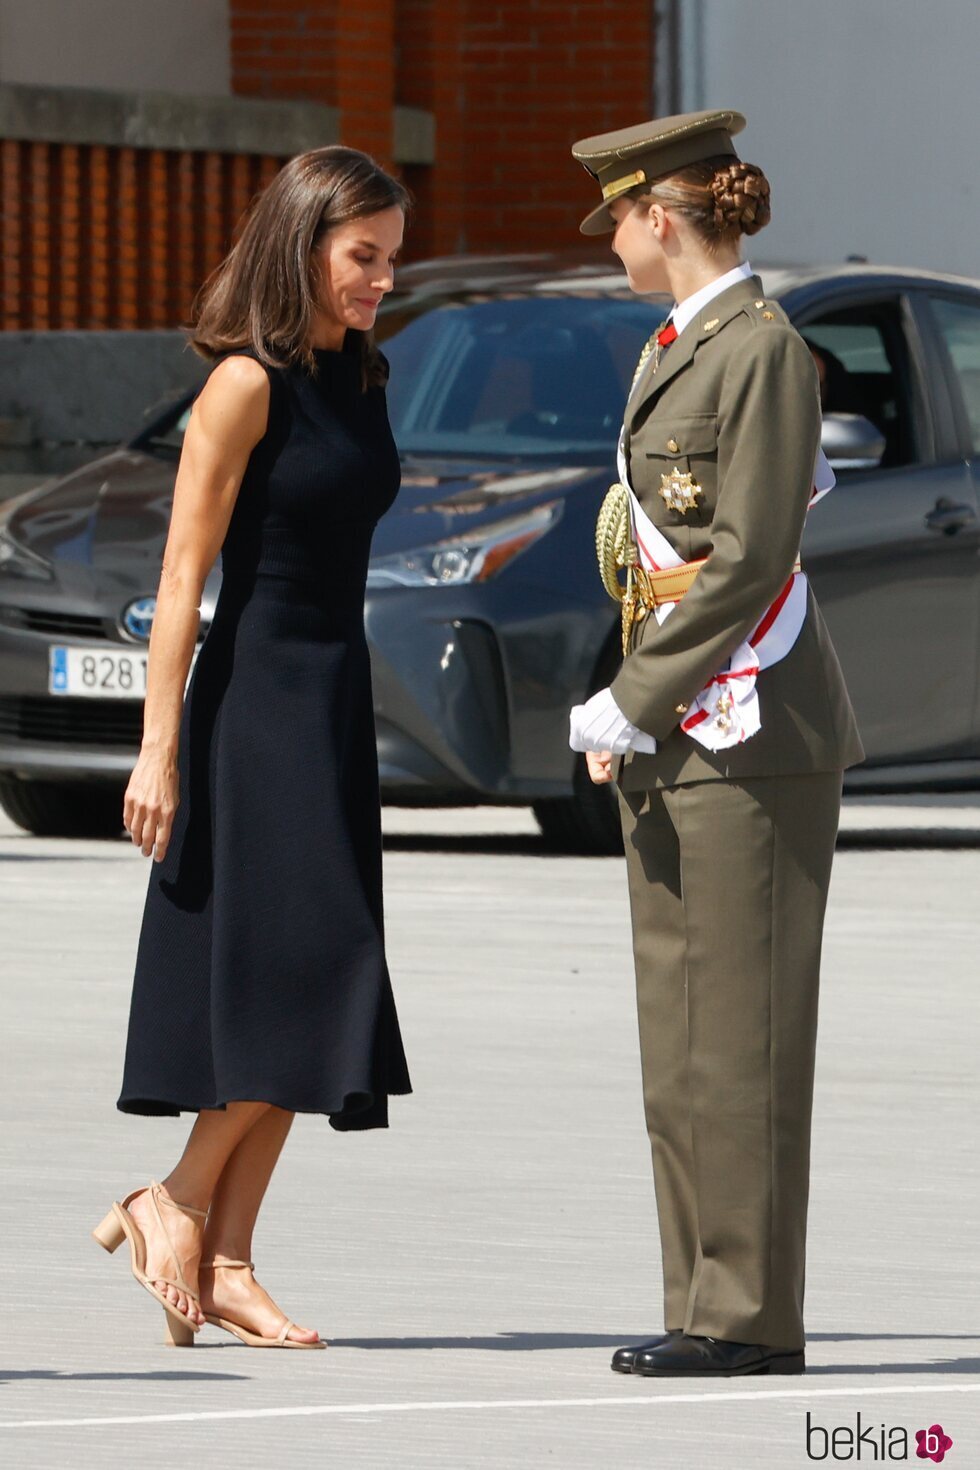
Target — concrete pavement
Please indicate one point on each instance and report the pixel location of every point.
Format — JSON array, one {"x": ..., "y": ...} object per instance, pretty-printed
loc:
[{"x": 475, "y": 1265}]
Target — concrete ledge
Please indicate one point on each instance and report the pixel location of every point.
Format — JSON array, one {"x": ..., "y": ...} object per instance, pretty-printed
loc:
[
  {"x": 85, "y": 388},
  {"x": 167, "y": 120},
  {"x": 164, "y": 120}
]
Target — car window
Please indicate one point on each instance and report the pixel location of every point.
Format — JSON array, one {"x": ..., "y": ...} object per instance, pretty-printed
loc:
[
  {"x": 862, "y": 360},
  {"x": 515, "y": 375},
  {"x": 165, "y": 437},
  {"x": 959, "y": 323}
]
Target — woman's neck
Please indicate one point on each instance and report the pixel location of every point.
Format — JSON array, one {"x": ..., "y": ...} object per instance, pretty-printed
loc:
[
  {"x": 689, "y": 274},
  {"x": 328, "y": 335}
]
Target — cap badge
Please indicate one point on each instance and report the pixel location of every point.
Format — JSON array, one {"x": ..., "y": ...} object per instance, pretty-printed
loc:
[{"x": 679, "y": 491}]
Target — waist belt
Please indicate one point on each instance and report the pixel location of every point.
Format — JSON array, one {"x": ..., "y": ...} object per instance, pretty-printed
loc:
[{"x": 653, "y": 589}]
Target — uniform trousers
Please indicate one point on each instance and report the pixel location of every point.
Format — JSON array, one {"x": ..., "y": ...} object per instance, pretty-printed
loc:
[{"x": 728, "y": 887}]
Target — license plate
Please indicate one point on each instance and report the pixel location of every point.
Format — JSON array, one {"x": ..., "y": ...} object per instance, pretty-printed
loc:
[{"x": 97, "y": 673}]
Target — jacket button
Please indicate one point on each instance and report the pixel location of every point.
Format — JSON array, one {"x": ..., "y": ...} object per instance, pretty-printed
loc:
[
  {"x": 681, "y": 709},
  {"x": 672, "y": 446}
]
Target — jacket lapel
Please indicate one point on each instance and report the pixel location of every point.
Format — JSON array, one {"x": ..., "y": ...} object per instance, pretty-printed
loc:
[{"x": 721, "y": 309}]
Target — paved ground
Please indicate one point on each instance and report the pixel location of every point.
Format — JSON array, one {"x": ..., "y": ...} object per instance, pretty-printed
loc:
[{"x": 475, "y": 1265}]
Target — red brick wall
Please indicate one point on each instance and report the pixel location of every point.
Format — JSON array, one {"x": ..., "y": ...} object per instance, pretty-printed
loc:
[
  {"x": 339, "y": 52},
  {"x": 537, "y": 74},
  {"x": 512, "y": 83}
]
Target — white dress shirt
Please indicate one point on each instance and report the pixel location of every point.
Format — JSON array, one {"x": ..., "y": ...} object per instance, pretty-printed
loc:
[{"x": 600, "y": 724}]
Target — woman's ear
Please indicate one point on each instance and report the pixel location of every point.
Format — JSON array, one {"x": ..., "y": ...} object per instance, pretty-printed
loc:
[{"x": 656, "y": 218}]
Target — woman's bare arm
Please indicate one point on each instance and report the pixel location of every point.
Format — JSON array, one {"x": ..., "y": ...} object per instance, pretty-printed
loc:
[{"x": 227, "y": 421}]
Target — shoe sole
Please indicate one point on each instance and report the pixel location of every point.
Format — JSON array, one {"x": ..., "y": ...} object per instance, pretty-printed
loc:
[{"x": 793, "y": 1363}]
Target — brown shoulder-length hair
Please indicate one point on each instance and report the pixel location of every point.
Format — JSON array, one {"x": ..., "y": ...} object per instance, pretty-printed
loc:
[{"x": 263, "y": 294}]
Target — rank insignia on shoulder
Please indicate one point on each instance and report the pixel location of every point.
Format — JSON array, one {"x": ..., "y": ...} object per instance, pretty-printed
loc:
[
  {"x": 710, "y": 326},
  {"x": 679, "y": 491}
]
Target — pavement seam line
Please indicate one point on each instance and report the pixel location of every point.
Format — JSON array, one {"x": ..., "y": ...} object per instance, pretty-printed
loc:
[{"x": 441, "y": 1406}]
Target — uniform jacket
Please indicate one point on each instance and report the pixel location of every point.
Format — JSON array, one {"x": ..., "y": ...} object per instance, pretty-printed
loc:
[{"x": 736, "y": 400}]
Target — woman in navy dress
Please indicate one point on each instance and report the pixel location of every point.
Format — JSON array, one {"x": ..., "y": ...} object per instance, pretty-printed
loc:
[{"x": 261, "y": 985}]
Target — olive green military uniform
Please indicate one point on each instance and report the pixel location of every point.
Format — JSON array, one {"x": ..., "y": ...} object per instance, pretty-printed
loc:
[{"x": 729, "y": 852}]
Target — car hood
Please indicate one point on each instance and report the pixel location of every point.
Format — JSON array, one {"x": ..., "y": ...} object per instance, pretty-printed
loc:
[
  {"x": 441, "y": 498},
  {"x": 107, "y": 516},
  {"x": 112, "y": 515}
]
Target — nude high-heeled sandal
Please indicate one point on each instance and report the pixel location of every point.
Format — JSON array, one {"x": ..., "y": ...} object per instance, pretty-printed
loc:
[
  {"x": 119, "y": 1225},
  {"x": 252, "y": 1339}
]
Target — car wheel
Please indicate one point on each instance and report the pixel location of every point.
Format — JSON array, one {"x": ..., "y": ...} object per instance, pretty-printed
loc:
[
  {"x": 587, "y": 822},
  {"x": 62, "y": 809}
]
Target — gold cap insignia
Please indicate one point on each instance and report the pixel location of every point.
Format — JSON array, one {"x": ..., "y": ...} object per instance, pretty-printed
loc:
[{"x": 679, "y": 491}]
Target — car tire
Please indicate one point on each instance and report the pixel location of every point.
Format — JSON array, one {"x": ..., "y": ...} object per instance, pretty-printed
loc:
[
  {"x": 62, "y": 809},
  {"x": 586, "y": 823}
]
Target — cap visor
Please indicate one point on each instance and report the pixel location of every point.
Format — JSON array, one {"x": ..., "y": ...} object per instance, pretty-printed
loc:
[{"x": 599, "y": 222}]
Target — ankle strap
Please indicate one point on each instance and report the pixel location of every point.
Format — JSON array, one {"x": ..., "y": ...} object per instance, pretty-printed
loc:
[
  {"x": 156, "y": 1191},
  {"x": 226, "y": 1265}
]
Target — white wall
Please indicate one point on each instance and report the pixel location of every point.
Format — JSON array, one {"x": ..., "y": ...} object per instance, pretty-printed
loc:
[
  {"x": 864, "y": 115},
  {"x": 128, "y": 45}
]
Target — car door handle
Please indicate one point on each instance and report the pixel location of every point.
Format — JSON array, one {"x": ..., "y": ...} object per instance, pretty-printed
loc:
[{"x": 949, "y": 517}]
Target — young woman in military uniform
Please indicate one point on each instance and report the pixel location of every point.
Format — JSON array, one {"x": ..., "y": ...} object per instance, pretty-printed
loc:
[{"x": 727, "y": 730}]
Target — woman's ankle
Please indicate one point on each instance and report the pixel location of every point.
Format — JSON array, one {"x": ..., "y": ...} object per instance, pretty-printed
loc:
[{"x": 185, "y": 1192}]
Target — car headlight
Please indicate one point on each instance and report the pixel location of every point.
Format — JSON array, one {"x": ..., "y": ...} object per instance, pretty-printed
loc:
[
  {"x": 474, "y": 557},
  {"x": 17, "y": 561}
]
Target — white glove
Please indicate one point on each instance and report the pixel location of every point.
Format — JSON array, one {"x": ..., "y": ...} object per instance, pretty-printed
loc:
[{"x": 600, "y": 724}]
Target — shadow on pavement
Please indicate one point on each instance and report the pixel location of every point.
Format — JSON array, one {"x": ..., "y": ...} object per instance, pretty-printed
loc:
[
  {"x": 500, "y": 1342},
  {"x": 161, "y": 1376}
]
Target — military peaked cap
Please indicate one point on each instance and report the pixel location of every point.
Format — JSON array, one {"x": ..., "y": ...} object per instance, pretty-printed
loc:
[{"x": 619, "y": 161}]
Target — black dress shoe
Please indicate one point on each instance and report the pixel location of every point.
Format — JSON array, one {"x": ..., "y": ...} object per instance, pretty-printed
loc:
[
  {"x": 711, "y": 1357},
  {"x": 622, "y": 1358}
]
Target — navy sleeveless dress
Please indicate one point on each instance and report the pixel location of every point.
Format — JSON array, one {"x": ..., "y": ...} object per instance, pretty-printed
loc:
[{"x": 261, "y": 972}]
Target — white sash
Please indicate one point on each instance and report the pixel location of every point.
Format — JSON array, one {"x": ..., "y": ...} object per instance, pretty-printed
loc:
[{"x": 726, "y": 711}]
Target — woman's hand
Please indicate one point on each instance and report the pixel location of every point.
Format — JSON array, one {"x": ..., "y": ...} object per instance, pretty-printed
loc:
[
  {"x": 151, "y": 801},
  {"x": 599, "y": 764}
]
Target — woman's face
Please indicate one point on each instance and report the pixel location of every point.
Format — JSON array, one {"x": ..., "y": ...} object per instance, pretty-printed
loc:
[
  {"x": 357, "y": 268},
  {"x": 637, "y": 242}
]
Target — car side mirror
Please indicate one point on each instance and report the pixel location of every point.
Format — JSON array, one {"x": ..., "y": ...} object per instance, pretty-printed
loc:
[{"x": 851, "y": 442}]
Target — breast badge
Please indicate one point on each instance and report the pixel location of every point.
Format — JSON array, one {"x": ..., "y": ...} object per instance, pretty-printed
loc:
[{"x": 679, "y": 491}]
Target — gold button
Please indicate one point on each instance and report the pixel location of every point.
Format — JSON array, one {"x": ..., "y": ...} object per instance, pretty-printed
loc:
[
  {"x": 710, "y": 326},
  {"x": 768, "y": 316},
  {"x": 673, "y": 446},
  {"x": 681, "y": 709},
  {"x": 760, "y": 305}
]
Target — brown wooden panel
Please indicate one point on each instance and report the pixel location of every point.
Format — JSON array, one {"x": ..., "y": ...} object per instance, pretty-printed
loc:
[
  {"x": 12, "y": 265},
  {"x": 127, "y": 240},
  {"x": 39, "y": 262},
  {"x": 69, "y": 237}
]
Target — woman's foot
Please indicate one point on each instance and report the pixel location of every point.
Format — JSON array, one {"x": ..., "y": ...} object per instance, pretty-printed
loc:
[
  {"x": 233, "y": 1293},
  {"x": 186, "y": 1232}
]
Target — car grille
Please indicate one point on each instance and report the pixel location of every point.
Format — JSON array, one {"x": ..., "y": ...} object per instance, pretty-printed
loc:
[
  {"x": 64, "y": 721},
  {"x": 62, "y": 624}
]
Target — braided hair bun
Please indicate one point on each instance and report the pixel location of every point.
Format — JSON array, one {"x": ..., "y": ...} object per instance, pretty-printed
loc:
[{"x": 741, "y": 198}]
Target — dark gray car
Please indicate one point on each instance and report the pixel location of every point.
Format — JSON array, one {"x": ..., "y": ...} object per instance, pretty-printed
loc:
[{"x": 485, "y": 614}]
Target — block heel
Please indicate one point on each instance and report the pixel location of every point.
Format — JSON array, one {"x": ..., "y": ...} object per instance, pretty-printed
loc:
[
  {"x": 110, "y": 1234},
  {"x": 177, "y": 1333}
]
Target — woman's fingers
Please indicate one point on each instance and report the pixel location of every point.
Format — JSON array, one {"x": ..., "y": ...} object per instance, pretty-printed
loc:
[
  {"x": 599, "y": 764},
  {"x": 164, "y": 829}
]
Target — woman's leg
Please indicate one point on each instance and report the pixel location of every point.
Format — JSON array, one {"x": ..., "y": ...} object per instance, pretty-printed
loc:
[
  {"x": 212, "y": 1141},
  {"x": 235, "y": 1204}
]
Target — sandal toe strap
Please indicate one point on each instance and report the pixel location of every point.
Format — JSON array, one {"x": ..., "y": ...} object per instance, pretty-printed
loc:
[{"x": 284, "y": 1331}]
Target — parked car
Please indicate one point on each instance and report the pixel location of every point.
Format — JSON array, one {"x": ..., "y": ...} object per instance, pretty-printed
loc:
[{"x": 485, "y": 613}]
